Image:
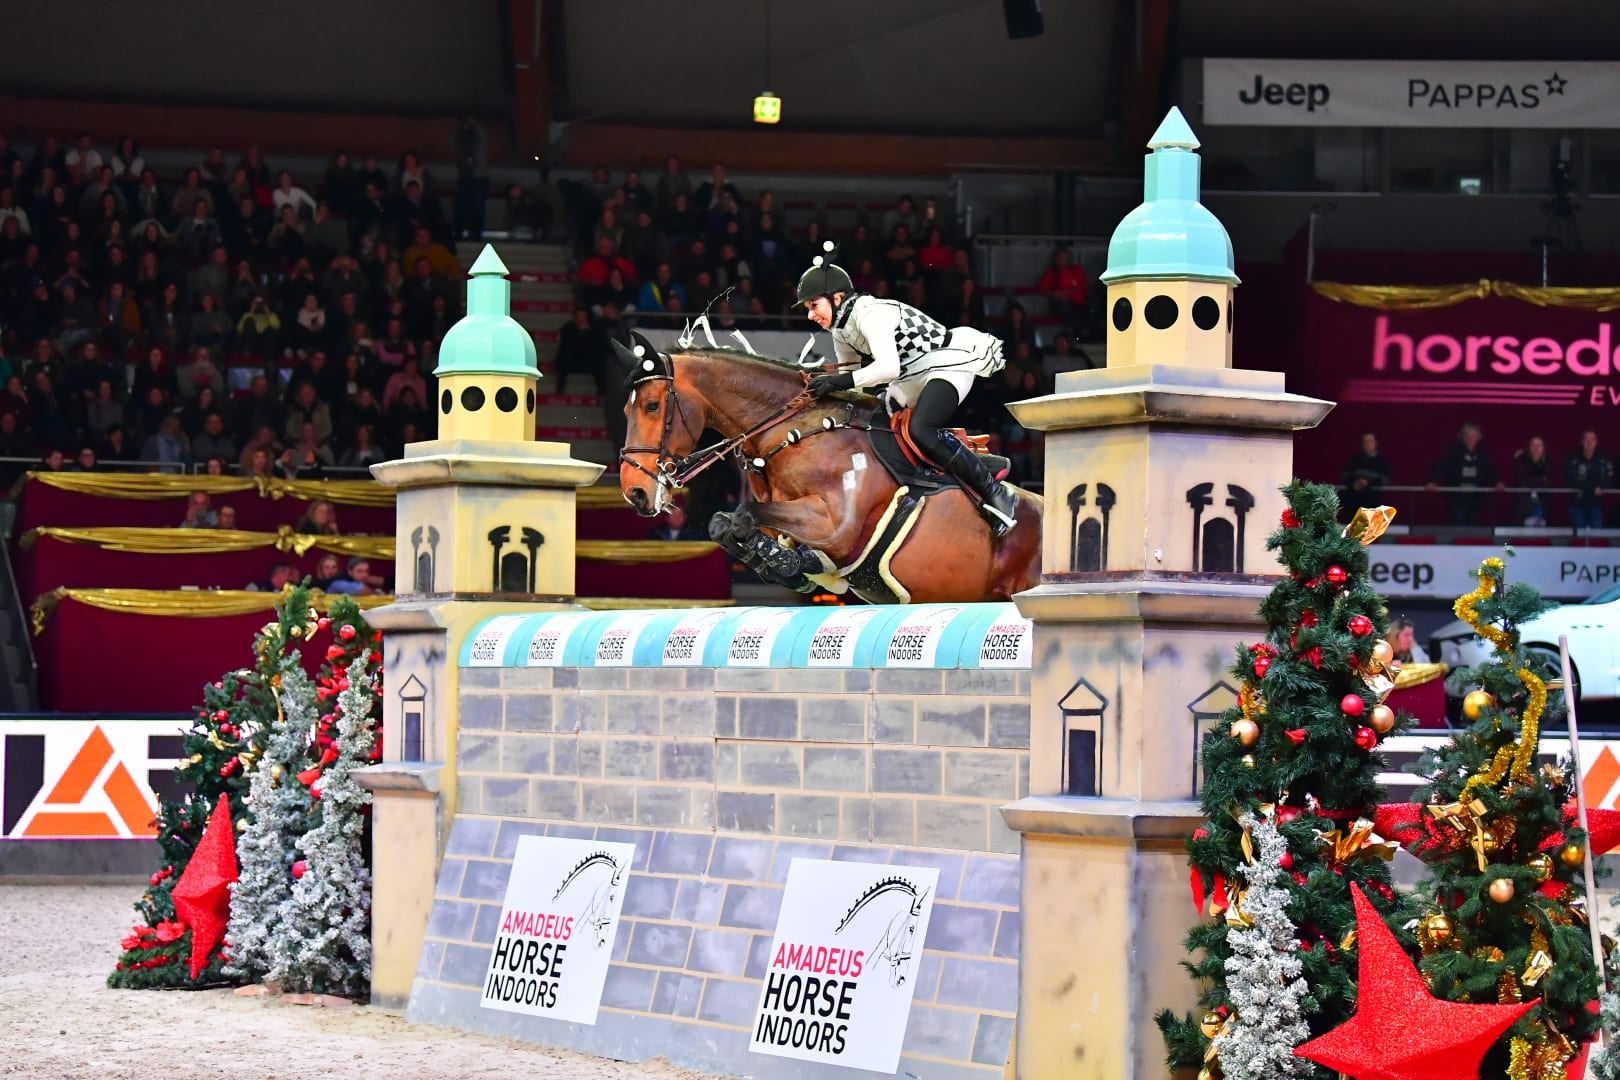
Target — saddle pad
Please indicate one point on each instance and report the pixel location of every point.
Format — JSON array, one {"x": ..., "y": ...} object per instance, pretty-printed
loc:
[
  {"x": 900, "y": 424},
  {"x": 869, "y": 575}
]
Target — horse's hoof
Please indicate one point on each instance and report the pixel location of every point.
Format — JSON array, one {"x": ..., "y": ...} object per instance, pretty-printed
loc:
[{"x": 721, "y": 528}]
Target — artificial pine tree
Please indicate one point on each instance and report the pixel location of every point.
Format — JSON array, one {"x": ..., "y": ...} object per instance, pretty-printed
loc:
[
  {"x": 1499, "y": 917},
  {"x": 1605, "y": 1062},
  {"x": 1300, "y": 748},
  {"x": 220, "y": 751},
  {"x": 323, "y": 937},
  {"x": 352, "y": 639}
]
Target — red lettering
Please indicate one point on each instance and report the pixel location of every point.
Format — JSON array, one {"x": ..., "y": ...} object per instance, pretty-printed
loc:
[
  {"x": 860, "y": 954},
  {"x": 1444, "y": 344},
  {"x": 1507, "y": 359},
  {"x": 1474, "y": 345},
  {"x": 1599, "y": 364},
  {"x": 506, "y": 924},
  {"x": 1383, "y": 339}
]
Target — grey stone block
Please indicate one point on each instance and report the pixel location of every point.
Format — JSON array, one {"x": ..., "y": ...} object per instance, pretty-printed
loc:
[
  {"x": 1023, "y": 774},
  {"x": 588, "y": 755},
  {"x": 602, "y": 678},
  {"x": 506, "y": 841},
  {"x": 836, "y": 768},
  {"x": 505, "y": 795},
  {"x": 980, "y": 984},
  {"x": 772, "y": 765},
  {"x": 612, "y": 803},
  {"x": 556, "y": 799},
  {"x": 899, "y": 682},
  {"x": 951, "y": 722},
  {"x": 698, "y": 901},
  {"x": 480, "y": 678},
  {"x": 751, "y": 907},
  {"x": 855, "y": 818},
  {"x": 833, "y": 719},
  {"x": 894, "y": 720},
  {"x": 744, "y": 679},
  {"x": 628, "y": 987},
  {"x": 565, "y": 755},
  {"x": 485, "y": 880},
  {"x": 727, "y": 759},
  {"x": 451, "y": 872},
  {"x": 928, "y": 976},
  {"x": 478, "y": 753},
  {"x": 469, "y": 794},
  {"x": 464, "y": 965},
  {"x": 660, "y": 944},
  {"x": 633, "y": 714},
  {"x": 677, "y": 994},
  {"x": 530, "y": 710},
  {"x": 948, "y": 865},
  {"x": 658, "y": 678},
  {"x": 686, "y": 759},
  {"x": 565, "y": 678},
  {"x": 741, "y": 811},
  {"x": 427, "y": 964},
  {"x": 906, "y": 772},
  {"x": 1003, "y": 839},
  {"x": 630, "y": 759},
  {"x": 727, "y": 1002},
  {"x": 997, "y": 682},
  {"x": 993, "y": 1043},
  {"x": 894, "y": 821},
  {"x": 788, "y": 850},
  {"x": 526, "y": 678},
  {"x": 981, "y": 774},
  {"x": 1008, "y": 935},
  {"x": 991, "y": 880},
  {"x": 698, "y": 678},
  {"x": 472, "y": 835},
  {"x": 664, "y": 806},
  {"x": 687, "y": 713},
  {"x": 807, "y": 815},
  {"x": 581, "y": 712},
  {"x": 480, "y": 712},
  {"x": 641, "y": 838},
  {"x": 759, "y": 955},
  {"x": 487, "y": 925},
  {"x": 621, "y": 940},
  {"x": 526, "y": 755},
  {"x": 718, "y": 952},
  {"x": 761, "y": 716},
  {"x": 953, "y": 928},
  {"x": 933, "y": 1070},
  {"x": 1009, "y": 724},
  {"x": 858, "y": 681},
  {"x": 725, "y": 716},
  {"x": 570, "y": 831},
  {"x": 861, "y": 853},
  {"x": 703, "y": 808},
  {"x": 736, "y": 859},
  {"x": 648, "y": 897},
  {"x": 680, "y": 853},
  {"x": 938, "y": 1033},
  {"x": 452, "y": 920},
  {"x": 810, "y": 681},
  {"x": 962, "y": 826}
]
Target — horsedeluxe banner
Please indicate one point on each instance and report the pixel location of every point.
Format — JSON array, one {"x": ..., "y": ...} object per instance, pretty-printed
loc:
[{"x": 1411, "y": 93}]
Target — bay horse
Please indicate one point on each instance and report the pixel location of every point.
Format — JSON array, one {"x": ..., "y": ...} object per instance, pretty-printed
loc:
[{"x": 821, "y": 506}]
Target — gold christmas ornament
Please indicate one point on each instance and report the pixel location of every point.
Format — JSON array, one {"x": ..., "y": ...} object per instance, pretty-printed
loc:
[
  {"x": 1205, "y": 1074},
  {"x": 1248, "y": 761},
  {"x": 1382, "y": 719},
  {"x": 1383, "y": 652},
  {"x": 1572, "y": 855},
  {"x": 1476, "y": 703},
  {"x": 1210, "y": 1025},
  {"x": 297, "y": 631},
  {"x": 1246, "y": 732},
  {"x": 1536, "y": 968},
  {"x": 1488, "y": 841},
  {"x": 1501, "y": 890},
  {"x": 1541, "y": 866},
  {"x": 1436, "y": 931},
  {"x": 1368, "y": 524},
  {"x": 196, "y": 759}
]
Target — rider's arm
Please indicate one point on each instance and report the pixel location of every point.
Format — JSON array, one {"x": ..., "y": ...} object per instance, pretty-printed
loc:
[{"x": 878, "y": 324}]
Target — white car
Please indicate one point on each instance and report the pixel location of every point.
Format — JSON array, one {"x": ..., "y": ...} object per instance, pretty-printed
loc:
[{"x": 1593, "y": 629}]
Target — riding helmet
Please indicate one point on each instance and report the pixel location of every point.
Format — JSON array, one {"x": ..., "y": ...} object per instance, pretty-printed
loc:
[{"x": 824, "y": 278}]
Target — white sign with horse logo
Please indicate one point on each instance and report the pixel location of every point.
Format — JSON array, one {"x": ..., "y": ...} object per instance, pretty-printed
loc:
[
  {"x": 843, "y": 965},
  {"x": 551, "y": 951}
]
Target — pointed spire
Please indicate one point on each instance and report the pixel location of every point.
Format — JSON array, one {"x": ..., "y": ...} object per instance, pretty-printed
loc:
[
  {"x": 488, "y": 291},
  {"x": 1173, "y": 133},
  {"x": 490, "y": 263}
]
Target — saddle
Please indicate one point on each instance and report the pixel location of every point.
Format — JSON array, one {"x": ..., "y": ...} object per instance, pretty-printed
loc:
[
  {"x": 912, "y": 468},
  {"x": 900, "y": 423}
]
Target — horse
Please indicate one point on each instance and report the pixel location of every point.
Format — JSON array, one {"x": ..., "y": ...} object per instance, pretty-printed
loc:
[{"x": 822, "y": 506}]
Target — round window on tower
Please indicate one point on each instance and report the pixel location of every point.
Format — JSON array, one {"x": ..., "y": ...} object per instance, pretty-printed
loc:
[
  {"x": 1206, "y": 313},
  {"x": 1122, "y": 314},
  {"x": 444, "y": 402},
  {"x": 472, "y": 398},
  {"x": 1229, "y": 316},
  {"x": 528, "y": 400},
  {"x": 1161, "y": 312},
  {"x": 506, "y": 399}
]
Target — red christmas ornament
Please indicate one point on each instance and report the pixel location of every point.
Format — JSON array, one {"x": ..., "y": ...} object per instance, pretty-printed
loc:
[
  {"x": 1290, "y": 520},
  {"x": 1314, "y": 582},
  {"x": 1304, "y": 946},
  {"x": 1299, "y": 878},
  {"x": 1366, "y": 738},
  {"x": 220, "y": 716},
  {"x": 322, "y": 623},
  {"x": 228, "y": 730},
  {"x": 1360, "y": 625},
  {"x": 1336, "y": 575},
  {"x": 299, "y": 868},
  {"x": 219, "y": 686},
  {"x": 1262, "y": 664},
  {"x": 1307, "y": 619},
  {"x": 1286, "y": 861},
  {"x": 1200, "y": 833},
  {"x": 1402, "y": 1032},
  {"x": 1296, "y": 736},
  {"x": 347, "y": 632},
  {"x": 335, "y": 652},
  {"x": 1315, "y": 657},
  {"x": 1287, "y": 814},
  {"x": 202, "y": 896},
  {"x": 1352, "y": 705}
]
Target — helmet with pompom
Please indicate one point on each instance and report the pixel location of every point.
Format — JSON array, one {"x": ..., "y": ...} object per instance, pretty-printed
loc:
[{"x": 824, "y": 278}]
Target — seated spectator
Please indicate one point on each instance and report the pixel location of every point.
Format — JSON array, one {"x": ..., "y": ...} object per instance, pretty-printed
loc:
[
  {"x": 966, "y": 306},
  {"x": 363, "y": 451},
  {"x": 307, "y": 409},
  {"x": 212, "y": 278},
  {"x": 289, "y": 194},
  {"x": 118, "y": 319},
  {"x": 199, "y": 512},
  {"x": 199, "y": 232},
  {"x": 104, "y": 412},
  {"x": 594, "y": 271},
  {"x": 283, "y": 575},
  {"x": 1065, "y": 285},
  {"x": 84, "y": 461},
  {"x": 212, "y": 441},
  {"x": 167, "y": 447},
  {"x": 1532, "y": 468},
  {"x": 210, "y": 326},
  {"x": 1402, "y": 637},
  {"x": 14, "y": 443},
  {"x": 116, "y": 446},
  {"x": 407, "y": 413},
  {"x": 258, "y": 332},
  {"x": 227, "y": 517},
  {"x": 309, "y": 328},
  {"x": 1016, "y": 323},
  {"x": 331, "y": 577},
  {"x": 936, "y": 255},
  {"x": 308, "y": 459},
  {"x": 1467, "y": 464},
  {"x": 1588, "y": 472},
  {"x": 127, "y": 164},
  {"x": 408, "y": 378},
  {"x": 286, "y": 242},
  {"x": 327, "y": 237},
  {"x": 319, "y": 520},
  {"x": 201, "y": 372},
  {"x": 257, "y": 462},
  {"x": 655, "y": 293},
  {"x": 673, "y": 181},
  {"x": 441, "y": 262},
  {"x": 342, "y": 187},
  {"x": 1365, "y": 475}
]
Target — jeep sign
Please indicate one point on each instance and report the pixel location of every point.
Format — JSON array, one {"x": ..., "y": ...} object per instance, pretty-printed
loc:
[
  {"x": 1411, "y": 93},
  {"x": 1446, "y": 571}
]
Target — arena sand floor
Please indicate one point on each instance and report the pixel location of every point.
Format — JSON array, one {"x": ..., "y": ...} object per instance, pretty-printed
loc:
[{"x": 63, "y": 1023}]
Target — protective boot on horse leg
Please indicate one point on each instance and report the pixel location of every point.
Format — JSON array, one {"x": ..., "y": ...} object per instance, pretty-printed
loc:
[
  {"x": 910, "y": 351},
  {"x": 769, "y": 558}
]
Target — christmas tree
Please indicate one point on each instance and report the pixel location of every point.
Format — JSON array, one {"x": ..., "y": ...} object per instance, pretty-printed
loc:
[
  {"x": 352, "y": 639},
  {"x": 1605, "y": 1062},
  {"x": 1299, "y": 753},
  {"x": 1499, "y": 917},
  {"x": 220, "y": 750},
  {"x": 324, "y": 945}
]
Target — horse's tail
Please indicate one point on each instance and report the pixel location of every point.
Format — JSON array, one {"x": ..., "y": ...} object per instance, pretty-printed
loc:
[
  {"x": 887, "y": 885},
  {"x": 596, "y": 858}
]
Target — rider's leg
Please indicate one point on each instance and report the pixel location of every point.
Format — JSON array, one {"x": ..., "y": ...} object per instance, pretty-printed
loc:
[{"x": 936, "y": 403}]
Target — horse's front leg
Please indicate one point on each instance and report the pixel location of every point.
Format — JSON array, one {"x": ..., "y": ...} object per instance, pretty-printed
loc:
[{"x": 806, "y": 520}]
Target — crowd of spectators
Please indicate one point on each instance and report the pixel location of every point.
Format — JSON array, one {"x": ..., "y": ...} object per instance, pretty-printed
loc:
[{"x": 232, "y": 317}]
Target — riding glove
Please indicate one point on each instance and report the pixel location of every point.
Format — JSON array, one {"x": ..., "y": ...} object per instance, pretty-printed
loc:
[{"x": 822, "y": 385}]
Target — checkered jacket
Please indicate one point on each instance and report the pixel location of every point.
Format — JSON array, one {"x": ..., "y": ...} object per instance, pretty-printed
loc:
[{"x": 889, "y": 337}]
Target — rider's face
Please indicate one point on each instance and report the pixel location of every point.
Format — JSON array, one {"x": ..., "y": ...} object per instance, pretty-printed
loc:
[{"x": 820, "y": 312}]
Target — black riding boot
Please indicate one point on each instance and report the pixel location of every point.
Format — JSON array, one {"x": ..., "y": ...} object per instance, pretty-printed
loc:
[
  {"x": 997, "y": 503},
  {"x": 782, "y": 564}
]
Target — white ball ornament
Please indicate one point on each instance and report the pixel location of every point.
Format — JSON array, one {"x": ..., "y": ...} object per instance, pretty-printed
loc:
[
  {"x": 640, "y": 350},
  {"x": 816, "y": 261},
  {"x": 827, "y": 246}
]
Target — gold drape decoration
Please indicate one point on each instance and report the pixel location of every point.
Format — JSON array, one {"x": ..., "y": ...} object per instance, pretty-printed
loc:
[
  {"x": 154, "y": 486},
  {"x": 184, "y": 603},
  {"x": 1419, "y": 297},
  {"x": 213, "y": 541},
  {"x": 1412, "y": 675},
  {"x": 643, "y": 551}
]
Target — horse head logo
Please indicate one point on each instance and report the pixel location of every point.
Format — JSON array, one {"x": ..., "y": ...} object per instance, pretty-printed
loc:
[
  {"x": 896, "y": 944},
  {"x": 606, "y": 873}
]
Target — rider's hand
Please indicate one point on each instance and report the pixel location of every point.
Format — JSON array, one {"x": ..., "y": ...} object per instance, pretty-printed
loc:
[{"x": 822, "y": 385}]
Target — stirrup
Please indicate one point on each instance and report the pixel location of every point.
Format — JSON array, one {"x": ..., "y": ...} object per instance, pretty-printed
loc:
[{"x": 998, "y": 520}]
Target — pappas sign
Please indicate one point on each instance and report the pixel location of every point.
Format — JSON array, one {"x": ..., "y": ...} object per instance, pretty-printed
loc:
[
  {"x": 558, "y": 922},
  {"x": 843, "y": 963},
  {"x": 1410, "y": 93}
]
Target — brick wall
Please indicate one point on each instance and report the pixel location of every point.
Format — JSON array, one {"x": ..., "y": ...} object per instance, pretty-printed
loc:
[{"x": 721, "y": 777}]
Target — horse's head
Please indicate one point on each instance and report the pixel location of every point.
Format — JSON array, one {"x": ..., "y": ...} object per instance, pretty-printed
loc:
[{"x": 665, "y": 417}]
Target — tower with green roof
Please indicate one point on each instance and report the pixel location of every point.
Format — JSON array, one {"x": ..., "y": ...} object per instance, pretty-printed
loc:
[
  {"x": 1170, "y": 268},
  {"x": 487, "y": 367}
]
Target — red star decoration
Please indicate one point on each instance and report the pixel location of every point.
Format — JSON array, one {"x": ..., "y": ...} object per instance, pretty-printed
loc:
[
  {"x": 202, "y": 896},
  {"x": 1400, "y": 1031}
]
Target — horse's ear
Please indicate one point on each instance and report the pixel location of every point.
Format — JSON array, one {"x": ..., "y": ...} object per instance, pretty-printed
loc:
[
  {"x": 624, "y": 352},
  {"x": 649, "y": 362}
]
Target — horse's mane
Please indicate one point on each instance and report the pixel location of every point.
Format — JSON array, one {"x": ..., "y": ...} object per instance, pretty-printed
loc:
[{"x": 721, "y": 352}]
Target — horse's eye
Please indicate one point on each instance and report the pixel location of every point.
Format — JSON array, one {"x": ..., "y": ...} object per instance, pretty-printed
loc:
[{"x": 651, "y": 406}]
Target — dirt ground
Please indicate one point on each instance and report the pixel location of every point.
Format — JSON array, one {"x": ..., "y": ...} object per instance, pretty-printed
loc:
[{"x": 61, "y": 1022}]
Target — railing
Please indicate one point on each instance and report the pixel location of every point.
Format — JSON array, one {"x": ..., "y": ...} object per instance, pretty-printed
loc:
[{"x": 1495, "y": 511}]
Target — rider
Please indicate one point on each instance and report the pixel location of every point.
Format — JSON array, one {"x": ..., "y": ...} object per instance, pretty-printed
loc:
[{"x": 927, "y": 366}]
